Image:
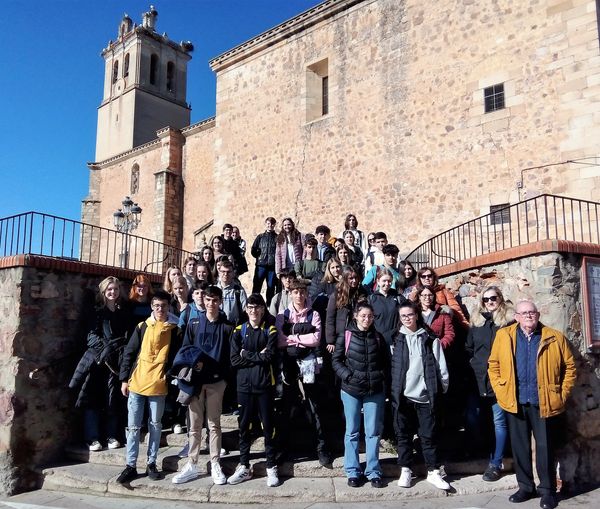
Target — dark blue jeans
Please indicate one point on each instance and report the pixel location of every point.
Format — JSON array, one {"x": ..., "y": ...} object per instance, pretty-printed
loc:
[{"x": 260, "y": 274}]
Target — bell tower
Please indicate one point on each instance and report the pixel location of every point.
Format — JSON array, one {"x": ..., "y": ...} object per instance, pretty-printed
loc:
[{"x": 145, "y": 78}]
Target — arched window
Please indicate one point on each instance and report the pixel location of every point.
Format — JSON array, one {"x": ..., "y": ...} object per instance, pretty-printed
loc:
[
  {"x": 115, "y": 75},
  {"x": 126, "y": 66},
  {"x": 171, "y": 77},
  {"x": 135, "y": 178},
  {"x": 153, "y": 69}
]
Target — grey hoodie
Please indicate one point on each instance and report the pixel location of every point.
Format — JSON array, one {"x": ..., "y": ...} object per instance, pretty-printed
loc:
[{"x": 415, "y": 388}]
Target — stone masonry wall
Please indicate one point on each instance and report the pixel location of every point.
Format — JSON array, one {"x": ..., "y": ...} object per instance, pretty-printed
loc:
[
  {"x": 199, "y": 190},
  {"x": 42, "y": 322},
  {"x": 553, "y": 282},
  {"x": 406, "y": 124},
  {"x": 406, "y": 135}
]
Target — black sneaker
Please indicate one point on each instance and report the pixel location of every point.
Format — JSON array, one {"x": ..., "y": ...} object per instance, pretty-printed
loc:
[
  {"x": 152, "y": 472},
  {"x": 491, "y": 474},
  {"x": 128, "y": 475},
  {"x": 324, "y": 458}
]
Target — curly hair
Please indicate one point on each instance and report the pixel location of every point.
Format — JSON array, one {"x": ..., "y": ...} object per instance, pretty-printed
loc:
[{"x": 345, "y": 295}]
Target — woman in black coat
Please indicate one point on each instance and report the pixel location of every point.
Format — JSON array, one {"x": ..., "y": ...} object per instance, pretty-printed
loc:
[
  {"x": 361, "y": 361},
  {"x": 492, "y": 313},
  {"x": 97, "y": 374}
]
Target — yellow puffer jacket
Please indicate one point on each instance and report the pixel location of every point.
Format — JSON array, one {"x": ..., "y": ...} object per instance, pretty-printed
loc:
[{"x": 556, "y": 372}]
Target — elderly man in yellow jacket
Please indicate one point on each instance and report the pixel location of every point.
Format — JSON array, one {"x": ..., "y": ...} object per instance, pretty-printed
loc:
[{"x": 532, "y": 372}]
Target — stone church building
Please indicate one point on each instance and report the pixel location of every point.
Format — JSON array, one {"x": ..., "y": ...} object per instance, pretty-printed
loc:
[{"x": 415, "y": 116}]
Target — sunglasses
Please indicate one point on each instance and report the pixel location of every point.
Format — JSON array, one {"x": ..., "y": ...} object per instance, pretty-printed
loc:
[
  {"x": 371, "y": 239},
  {"x": 493, "y": 298},
  {"x": 426, "y": 276}
]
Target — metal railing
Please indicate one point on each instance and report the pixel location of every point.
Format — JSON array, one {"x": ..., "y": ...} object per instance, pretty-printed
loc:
[
  {"x": 57, "y": 237},
  {"x": 545, "y": 217}
]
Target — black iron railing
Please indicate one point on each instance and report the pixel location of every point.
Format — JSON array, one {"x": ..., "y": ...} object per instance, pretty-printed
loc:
[
  {"x": 57, "y": 237},
  {"x": 545, "y": 217}
]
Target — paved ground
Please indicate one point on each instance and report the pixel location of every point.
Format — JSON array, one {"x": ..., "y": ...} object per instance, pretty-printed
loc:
[{"x": 497, "y": 500}]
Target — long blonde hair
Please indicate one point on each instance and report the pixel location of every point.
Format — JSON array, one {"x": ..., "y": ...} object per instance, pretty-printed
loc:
[
  {"x": 105, "y": 283},
  {"x": 501, "y": 317}
]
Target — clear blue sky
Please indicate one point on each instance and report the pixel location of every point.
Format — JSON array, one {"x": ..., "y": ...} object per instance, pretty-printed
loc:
[{"x": 51, "y": 78}]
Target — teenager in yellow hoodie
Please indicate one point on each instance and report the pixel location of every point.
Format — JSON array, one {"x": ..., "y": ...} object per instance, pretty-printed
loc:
[{"x": 146, "y": 360}]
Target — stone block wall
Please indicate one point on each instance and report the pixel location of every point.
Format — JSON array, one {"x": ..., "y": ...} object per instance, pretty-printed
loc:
[
  {"x": 43, "y": 322},
  {"x": 553, "y": 282}
]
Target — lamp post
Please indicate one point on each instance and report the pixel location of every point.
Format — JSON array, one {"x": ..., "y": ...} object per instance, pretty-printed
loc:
[{"x": 126, "y": 219}]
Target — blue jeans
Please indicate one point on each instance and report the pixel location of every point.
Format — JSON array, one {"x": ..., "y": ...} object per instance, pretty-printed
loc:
[
  {"x": 135, "y": 414},
  {"x": 92, "y": 420},
  {"x": 501, "y": 432},
  {"x": 479, "y": 406},
  {"x": 260, "y": 274},
  {"x": 372, "y": 407}
]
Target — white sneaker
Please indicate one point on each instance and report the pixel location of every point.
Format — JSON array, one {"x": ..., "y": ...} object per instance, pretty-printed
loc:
[
  {"x": 405, "y": 480},
  {"x": 189, "y": 473},
  {"x": 95, "y": 446},
  {"x": 435, "y": 478},
  {"x": 217, "y": 474},
  {"x": 272, "y": 477},
  {"x": 241, "y": 474},
  {"x": 178, "y": 429},
  {"x": 113, "y": 443}
]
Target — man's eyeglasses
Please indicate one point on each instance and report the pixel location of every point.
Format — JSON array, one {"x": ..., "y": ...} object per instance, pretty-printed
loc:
[
  {"x": 426, "y": 276},
  {"x": 160, "y": 306},
  {"x": 528, "y": 313},
  {"x": 493, "y": 298},
  {"x": 407, "y": 317}
]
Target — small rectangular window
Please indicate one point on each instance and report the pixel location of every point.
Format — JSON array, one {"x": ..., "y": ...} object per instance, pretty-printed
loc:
[
  {"x": 494, "y": 97},
  {"x": 500, "y": 214},
  {"x": 317, "y": 90},
  {"x": 325, "y": 94}
]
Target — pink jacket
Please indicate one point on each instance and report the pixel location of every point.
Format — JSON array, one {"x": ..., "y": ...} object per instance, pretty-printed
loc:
[
  {"x": 302, "y": 340},
  {"x": 281, "y": 253}
]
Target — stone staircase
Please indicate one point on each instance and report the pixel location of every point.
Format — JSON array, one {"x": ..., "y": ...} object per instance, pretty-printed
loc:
[{"x": 303, "y": 479}]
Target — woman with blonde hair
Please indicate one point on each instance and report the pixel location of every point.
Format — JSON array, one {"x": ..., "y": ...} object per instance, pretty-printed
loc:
[
  {"x": 179, "y": 294},
  {"x": 97, "y": 373},
  {"x": 492, "y": 313},
  {"x": 172, "y": 273}
]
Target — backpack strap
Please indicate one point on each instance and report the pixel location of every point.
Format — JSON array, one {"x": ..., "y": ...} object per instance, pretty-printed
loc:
[
  {"x": 375, "y": 278},
  {"x": 347, "y": 338}
]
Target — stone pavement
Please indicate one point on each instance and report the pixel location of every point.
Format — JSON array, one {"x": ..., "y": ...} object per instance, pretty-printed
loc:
[{"x": 495, "y": 500}]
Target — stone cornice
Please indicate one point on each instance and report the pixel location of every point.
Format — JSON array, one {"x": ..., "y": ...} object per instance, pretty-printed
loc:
[
  {"x": 142, "y": 88},
  {"x": 146, "y": 147},
  {"x": 203, "y": 125},
  {"x": 141, "y": 31},
  {"x": 282, "y": 31}
]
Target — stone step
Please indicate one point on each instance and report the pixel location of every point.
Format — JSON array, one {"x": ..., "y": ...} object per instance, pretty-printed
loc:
[
  {"x": 298, "y": 466},
  {"x": 100, "y": 479}
]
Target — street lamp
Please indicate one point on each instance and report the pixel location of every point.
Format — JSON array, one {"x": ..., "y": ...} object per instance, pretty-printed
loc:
[{"x": 126, "y": 219}]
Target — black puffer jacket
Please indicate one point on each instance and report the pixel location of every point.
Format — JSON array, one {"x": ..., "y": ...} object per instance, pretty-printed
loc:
[
  {"x": 96, "y": 374},
  {"x": 479, "y": 347},
  {"x": 364, "y": 368},
  {"x": 263, "y": 249}
]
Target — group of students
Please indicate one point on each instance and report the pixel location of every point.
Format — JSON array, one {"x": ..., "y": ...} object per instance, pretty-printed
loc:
[{"x": 341, "y": 316}]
